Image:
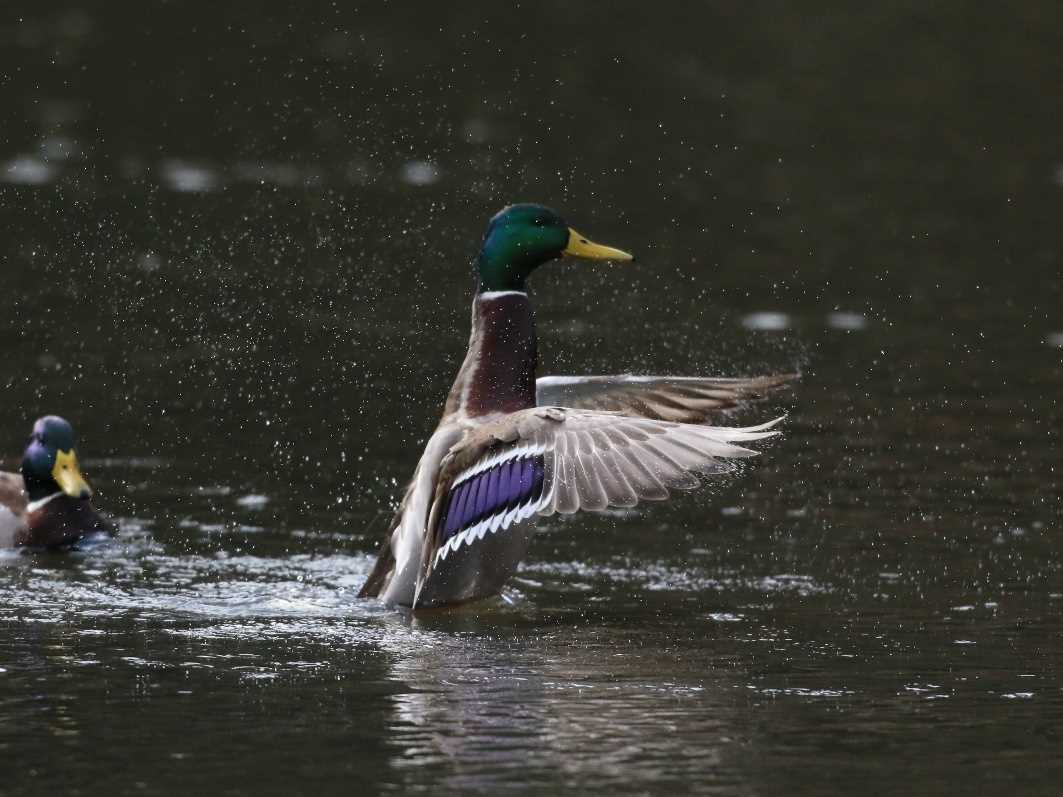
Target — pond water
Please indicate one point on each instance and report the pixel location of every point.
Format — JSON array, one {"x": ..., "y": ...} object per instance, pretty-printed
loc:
[{"x": 236, "y": 256}]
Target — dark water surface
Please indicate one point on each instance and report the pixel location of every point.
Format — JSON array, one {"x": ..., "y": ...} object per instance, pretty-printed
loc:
[{"x": 235, "y": 254}]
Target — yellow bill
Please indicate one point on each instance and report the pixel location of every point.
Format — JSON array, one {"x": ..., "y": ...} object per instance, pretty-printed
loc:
[
  {"x": 68, "y": 476},
  {"x": 581, "y": 246}
]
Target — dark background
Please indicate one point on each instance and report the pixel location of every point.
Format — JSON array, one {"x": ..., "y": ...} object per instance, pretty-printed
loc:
[{"x": 236, "y": 254}]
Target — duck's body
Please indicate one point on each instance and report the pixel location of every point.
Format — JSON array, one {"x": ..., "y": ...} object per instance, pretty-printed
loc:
[
  {"x": 13, "y": 502},
  {"x": 509, "y": 447},
  {"x": 48, "y": 504}
]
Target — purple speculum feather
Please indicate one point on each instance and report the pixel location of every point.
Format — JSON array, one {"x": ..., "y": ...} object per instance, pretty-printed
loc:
[{"x": 491, "y": 492}]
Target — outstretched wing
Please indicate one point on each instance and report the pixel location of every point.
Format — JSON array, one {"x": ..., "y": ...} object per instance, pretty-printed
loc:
[
  {"x": 683, "y": 399},
  {"x": 553, "y": 459}
]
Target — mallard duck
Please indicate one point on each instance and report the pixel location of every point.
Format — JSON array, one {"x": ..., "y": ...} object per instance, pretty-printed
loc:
[
  {"x": 510, "y": 447},
  {"x": 49, "y": 504}
]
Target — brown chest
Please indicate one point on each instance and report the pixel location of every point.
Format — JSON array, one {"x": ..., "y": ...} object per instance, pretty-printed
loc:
[
  {"x": 61, "y": 521},
  {"x": 499, "y": 372}
]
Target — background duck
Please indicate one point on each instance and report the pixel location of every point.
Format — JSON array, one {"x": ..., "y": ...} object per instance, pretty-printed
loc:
[
  {"x": 510, "y": 448},
  {"x": 49, "y": 504}
]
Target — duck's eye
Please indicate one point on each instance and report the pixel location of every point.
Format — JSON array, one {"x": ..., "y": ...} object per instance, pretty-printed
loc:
[{"x": 540, "y": 222}]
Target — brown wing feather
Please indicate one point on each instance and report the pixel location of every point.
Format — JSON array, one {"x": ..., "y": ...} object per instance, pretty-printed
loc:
[
  {"x": 385, "y": 559},
  {"x": 13, "y": 493},
  {"x": 385, "y": 563},
  {"x": 678, "y": 399}
]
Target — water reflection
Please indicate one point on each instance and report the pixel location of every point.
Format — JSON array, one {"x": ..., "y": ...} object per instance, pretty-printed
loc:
[{"x": 497, "y": 711}]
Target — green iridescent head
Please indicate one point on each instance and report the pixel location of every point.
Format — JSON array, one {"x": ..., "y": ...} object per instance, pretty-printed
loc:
[
  {"x": 520, "y": 238},
  {"x": 50, "y": 464}
]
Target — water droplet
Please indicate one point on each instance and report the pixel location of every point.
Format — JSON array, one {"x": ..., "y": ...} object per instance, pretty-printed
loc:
[
  {"x": 188, "y": 177},
  {"x": 767, "y": 322},
  {"x": 26, "y": 170},
  {"x": 847, "y": 321},
  {"x": 253, "y": 501},
  {"x": 420, "y": 173},
  {"x": 149, "y": 262}
]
